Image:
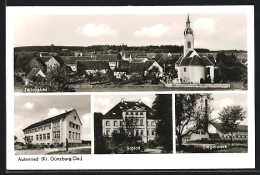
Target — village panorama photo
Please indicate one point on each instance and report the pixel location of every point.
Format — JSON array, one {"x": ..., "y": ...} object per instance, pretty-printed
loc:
[{"x": 103, "y": 53}]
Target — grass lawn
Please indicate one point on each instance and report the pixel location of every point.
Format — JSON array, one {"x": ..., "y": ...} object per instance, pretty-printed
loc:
[{"x": 73, "y": 151}]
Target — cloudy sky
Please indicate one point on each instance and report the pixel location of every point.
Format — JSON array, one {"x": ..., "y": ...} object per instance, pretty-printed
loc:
[
  {"x": 212, "y": 31},
  {"x": 31, "y": 109},
  {"x": 103, "y": 103},
  {"x": 229, "y": 99}
]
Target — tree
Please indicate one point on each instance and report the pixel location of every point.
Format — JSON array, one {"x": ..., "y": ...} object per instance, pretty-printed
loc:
[
  {"x": 162, "y": 107},
  {"x": 152, "y": 73},
  {"x": 28, "y": 141},
  {"x": 15, "y": 139},
  {"x": 230, "y": 118},
  {"x": 230, "y": 68},
  {"x": 100, "y": 140},
  {"x": 188, "y": 112}
]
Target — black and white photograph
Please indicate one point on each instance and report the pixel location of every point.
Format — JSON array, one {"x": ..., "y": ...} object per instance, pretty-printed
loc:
[
  {"x": 211, "y": 123},
  {"x": 50, "y": 125},
  {"x": 121, "y": 87},
  {"x": 133, "y": 124},
  {"x": 130, "y": 52}
]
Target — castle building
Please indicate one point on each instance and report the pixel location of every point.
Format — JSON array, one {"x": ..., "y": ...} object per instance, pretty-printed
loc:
[
  {"x": 55, "y": 130},
  {"x": 191, "y": 67},
  {"x": 143, "y": 122}
]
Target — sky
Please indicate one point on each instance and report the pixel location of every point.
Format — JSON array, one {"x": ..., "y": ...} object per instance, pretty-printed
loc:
[
  {"x": 31, "y": 109},
  {"x": 229, "y": 99},
  {"x": 211, "y": 31},
  {"x": 103, "y": 103}
]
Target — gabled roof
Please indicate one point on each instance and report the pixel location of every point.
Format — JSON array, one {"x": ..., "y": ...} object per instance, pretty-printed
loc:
[
  {"x": 189, "y": 130},
  {"x": 32, "y": 73},
  {"x": 82, "y": 66},
  {"x": 122, "y": 66},
  {"x": 40, "y": 61},
  {"x": 106, "y": 57},
  {"x": 116, "y": 111},
  {"x": 136, "y": 67},
  {"x": 72, "y": 59},
  {"x": 148, "y": 64},
  {"x": 46, "y": 58},
  {"x": 59, "y": 60},
  {"x": 219, "y": 127},
  {"x": 49, "y": 120},
  {"x": 139, "y": 59},
  {"x": 44, "y": 54}
]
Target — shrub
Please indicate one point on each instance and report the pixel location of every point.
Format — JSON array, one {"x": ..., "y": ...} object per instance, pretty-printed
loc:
[
  {"x": 151, "y": 144},
  {"x": 202, "y": 81}
]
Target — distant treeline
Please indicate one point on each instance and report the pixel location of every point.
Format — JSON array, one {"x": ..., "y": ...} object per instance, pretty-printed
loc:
[{"x": 106, "y": 48}]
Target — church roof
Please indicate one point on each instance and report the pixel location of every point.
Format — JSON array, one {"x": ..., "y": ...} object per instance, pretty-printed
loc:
[
  {"x": 195, "y": 60},
  {"x": 116, "y": 111}
]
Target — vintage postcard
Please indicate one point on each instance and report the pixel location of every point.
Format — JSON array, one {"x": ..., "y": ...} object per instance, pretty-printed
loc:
[{"x": 103, "y": 87}]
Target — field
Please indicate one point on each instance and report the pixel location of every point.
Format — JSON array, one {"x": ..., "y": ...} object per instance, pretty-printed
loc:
[{"x": 18, "y": 87}]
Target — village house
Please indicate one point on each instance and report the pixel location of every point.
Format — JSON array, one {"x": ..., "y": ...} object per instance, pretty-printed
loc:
[
  {"x": 91, "y": 66},
  {"x": 141, "y": 116},
  {"x": 36, "y": 63},
  {"x": 110, "y": 58},
  {"x": 52, "y": 62},
  {"x": 148, "y": 65},
  {"x": 71, "y": 61},
  {"x": 33, "y": 73},
  {"x": 121, "y": 69},
  {"x": 191, "y": 67},
  {"x": 55, "y": 130}
]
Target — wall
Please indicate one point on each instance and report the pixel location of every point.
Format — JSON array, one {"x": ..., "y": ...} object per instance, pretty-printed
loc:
[
  {"x": 187, "y": 38},
  {"x": 70, "y": 118},
  {"x": 51, "y": 64}
]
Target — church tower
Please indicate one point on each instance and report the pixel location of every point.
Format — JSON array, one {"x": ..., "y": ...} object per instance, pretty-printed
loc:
[{"x": 188, "y": 38}]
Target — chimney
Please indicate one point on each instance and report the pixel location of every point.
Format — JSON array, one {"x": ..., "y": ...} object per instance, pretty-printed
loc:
[
  {"x": 122, "y": 100},
  {"x": 139, "y": 101}
]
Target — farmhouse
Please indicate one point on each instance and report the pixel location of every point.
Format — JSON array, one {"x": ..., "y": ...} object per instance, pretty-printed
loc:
[
  {"x": 33, "y": 73},
  {"x": 91, "y": 66},
  {"x": 215, "y": 131},
  {"x": 148, "y": 65},
  {"x": 55, "y": 130},
  {"x": 142, "y": 120}
]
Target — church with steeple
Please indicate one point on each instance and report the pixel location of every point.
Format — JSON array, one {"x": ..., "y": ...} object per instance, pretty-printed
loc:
[{"x": 193, "y": 68}]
